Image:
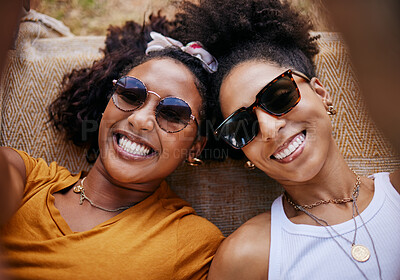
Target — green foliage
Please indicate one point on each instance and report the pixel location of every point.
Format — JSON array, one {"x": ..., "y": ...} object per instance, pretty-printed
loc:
[
  {"x": 92, "y": 17},
  {"x": 87, "y": 4}
]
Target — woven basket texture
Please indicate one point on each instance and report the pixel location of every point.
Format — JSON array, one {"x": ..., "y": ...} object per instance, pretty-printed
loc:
[{"x": 226, "y": 193}]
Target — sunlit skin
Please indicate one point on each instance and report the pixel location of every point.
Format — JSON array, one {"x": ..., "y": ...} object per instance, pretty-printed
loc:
[
  {"x": 119, "y": 180},
  {"x": 317, "y": 157},
  {"x": 315, "y": 171},
  {"x": 171, "y": 79}
]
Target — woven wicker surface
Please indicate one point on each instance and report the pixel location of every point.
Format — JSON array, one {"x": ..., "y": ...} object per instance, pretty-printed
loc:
[
  {"x": 31, "y": 81},
  {"x": 224, "y": 192}
]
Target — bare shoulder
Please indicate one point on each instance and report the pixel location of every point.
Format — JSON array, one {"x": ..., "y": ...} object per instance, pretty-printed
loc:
[
  {"x": 12, "y": 182},
  {"x": 10, "y": 157},
  {"x": 395, "y": 180},
  {"x": 245, "y": 253}
]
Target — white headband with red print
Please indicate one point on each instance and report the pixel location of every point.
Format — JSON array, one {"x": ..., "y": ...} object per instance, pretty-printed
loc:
[{"x": 195, "y": 49}]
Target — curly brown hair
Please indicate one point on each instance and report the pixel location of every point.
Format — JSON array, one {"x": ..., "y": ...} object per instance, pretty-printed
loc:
[
  {"x": 78, "y": 109},
  {"x": 235, "y": 31}
]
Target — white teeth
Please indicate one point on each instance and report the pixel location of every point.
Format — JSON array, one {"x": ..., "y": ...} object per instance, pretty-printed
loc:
[
  {"x": 132, "y": 147},
  {"x": 294, "y": 144}
]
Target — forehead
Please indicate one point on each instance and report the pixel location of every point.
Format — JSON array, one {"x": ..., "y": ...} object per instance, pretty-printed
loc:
[
  {"x": 240, "y": 87},
  {"x": 167, "y": 77}
]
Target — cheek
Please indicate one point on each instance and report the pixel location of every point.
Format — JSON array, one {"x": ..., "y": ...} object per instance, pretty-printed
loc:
[
  {"x": 109, "y": 112},
  {"x": 225, "y": 104},
  {"x": 312, "y": 110},
  {"x": 254, "y": 151},
  {"x": 103, "y": 136},
  {"x": 309, "y": 104},
  {"x": 174, "y": 152},
  {"x": 226, "y": 110},
  {"x": 106, "y": 122},
  {"x": 312, "y": 102},
  {"x": 178, "y": 144},
  {"x": 188, "y": 133},
  {"x": 320, "y": 121}
]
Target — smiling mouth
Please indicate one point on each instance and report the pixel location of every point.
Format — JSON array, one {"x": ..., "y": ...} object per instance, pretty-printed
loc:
[
  {"x": 133, "y": 148},
  {"x": 291, "y": 147}
]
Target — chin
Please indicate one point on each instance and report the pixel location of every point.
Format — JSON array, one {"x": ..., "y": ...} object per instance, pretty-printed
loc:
[{"x": 302, "y": 172}]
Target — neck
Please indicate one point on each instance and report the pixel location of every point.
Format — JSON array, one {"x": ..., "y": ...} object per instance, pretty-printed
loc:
[
  {"x": 110, "y": 193},
  {"x": 333, "y": 180}
]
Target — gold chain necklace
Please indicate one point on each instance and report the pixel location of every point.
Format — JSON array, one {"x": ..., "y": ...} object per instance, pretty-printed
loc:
[
  {"x": 322, "y": 201},
  {"x": 359, "y": 252},
  {"x": 80, "y": 189}
]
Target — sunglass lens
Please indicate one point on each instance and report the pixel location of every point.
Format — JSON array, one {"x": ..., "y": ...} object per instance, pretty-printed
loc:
[
  {"x": 173, "y": 114},
  {"x": 240, "y": 129},
  {"x": 131, "y": 93},
  {"x": 280, "y": 97}
]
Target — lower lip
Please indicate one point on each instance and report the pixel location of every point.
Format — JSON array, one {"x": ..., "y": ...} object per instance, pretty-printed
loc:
[
  {"x": 294, "y": 155},
  {"x": 125, "y": 155}
]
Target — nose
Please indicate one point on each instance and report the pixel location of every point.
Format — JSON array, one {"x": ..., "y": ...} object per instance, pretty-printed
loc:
[
  {"x": 143, "y": 118},
  {"x": 269, "y": 125}
]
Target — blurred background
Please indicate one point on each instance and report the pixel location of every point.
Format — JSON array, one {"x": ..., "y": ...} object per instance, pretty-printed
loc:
[{"x": 92, "y": 17}]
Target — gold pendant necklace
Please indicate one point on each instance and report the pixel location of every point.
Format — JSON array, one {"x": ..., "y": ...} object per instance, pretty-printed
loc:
[
  {"x": 359, "y": 252},
  {"x": 81, "y": 190}
]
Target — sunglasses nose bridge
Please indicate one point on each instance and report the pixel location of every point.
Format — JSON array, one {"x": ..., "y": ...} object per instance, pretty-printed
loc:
[
  {"x": 154, "y": 93},
  {"x": 269, "y": 125}
]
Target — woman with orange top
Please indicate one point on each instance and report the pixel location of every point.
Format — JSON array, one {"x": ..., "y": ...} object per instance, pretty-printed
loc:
[{"x": 120, "y": 220}]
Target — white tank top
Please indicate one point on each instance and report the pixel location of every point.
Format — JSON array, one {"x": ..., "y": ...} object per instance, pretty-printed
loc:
[{"x": 308, "y": 252}]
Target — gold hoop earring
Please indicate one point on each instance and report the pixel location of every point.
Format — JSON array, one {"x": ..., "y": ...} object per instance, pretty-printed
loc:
[
  {"x": 249, "y": 165},
  {"x": 331, "y": 111},
  {"x": 195, "y": 162}
]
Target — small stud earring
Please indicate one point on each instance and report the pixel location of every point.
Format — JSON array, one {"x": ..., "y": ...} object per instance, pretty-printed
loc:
[
  {"x": 331, "y": 111},
  {"x": 194, "y": 162},
  {"x": 249, "y": 165}
]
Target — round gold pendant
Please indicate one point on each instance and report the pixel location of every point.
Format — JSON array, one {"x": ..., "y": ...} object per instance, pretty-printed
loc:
[
  {"x": 77, "y": 189},
  {"x": 360, "y": 253}
]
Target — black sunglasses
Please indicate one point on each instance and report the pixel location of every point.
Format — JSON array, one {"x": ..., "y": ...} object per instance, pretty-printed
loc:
[
  {"x": 172, "y": 113},
  {"x": 277, "y": 98}
]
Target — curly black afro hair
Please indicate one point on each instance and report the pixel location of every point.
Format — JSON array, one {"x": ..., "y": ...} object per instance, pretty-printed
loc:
[
  {"x": 84, "y": 95},
  {"x": 235, "y": 31},
  {"x": 249, "y": 29}
]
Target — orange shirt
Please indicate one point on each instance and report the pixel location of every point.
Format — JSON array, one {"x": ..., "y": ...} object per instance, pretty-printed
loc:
[{"x": 159, "y": 238}]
